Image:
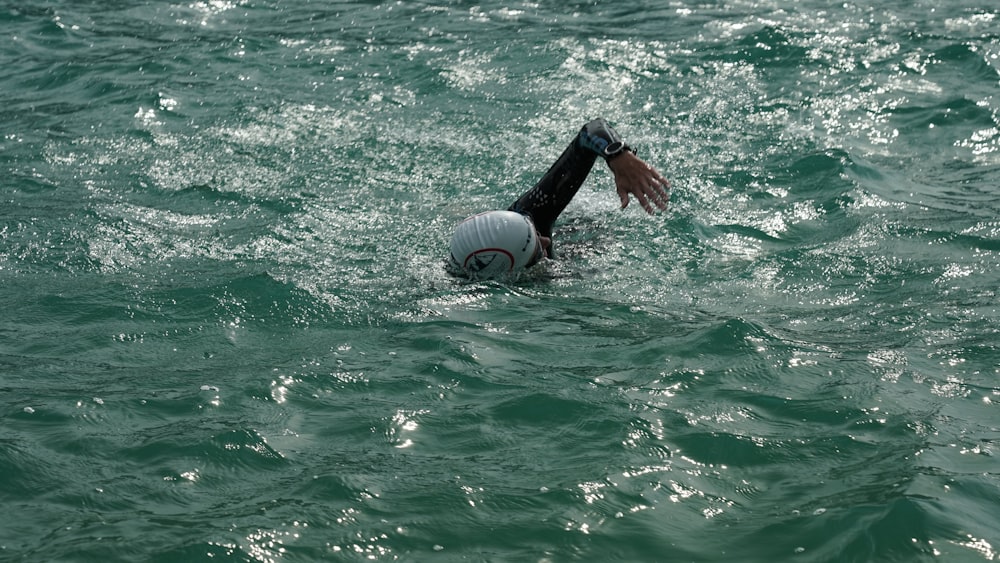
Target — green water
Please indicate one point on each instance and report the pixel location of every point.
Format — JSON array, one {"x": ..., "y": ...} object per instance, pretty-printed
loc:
[{"x": 226, "y": 332}]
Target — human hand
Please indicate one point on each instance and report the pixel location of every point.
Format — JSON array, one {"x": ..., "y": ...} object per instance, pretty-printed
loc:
[{"x": 633, "y": 176}]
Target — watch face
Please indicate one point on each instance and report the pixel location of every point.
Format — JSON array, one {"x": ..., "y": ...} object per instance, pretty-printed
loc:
[{"x": 614, "y": 148}]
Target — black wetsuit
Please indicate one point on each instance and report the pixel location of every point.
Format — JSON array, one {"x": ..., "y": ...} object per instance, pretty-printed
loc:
[{"x": 547, "y": 199}]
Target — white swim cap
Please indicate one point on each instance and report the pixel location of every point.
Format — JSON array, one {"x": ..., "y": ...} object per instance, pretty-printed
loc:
[{"x": 494, "y": 243}]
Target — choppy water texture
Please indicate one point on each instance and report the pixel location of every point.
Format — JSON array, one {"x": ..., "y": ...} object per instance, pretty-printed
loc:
[{"x": 227, "y": 334}]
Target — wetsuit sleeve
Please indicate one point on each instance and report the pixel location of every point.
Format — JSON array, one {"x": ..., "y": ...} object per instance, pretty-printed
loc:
[{"x": 547, "y": 199}]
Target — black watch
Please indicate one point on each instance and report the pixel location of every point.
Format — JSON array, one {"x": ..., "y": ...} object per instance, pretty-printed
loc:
[{"x": 615, "y": 149}]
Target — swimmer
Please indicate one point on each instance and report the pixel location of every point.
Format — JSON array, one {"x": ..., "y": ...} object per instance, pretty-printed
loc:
[{"x": 495, "y": 243}]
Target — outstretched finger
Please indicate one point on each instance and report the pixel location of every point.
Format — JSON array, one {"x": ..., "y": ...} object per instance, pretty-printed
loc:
[
  {"x": 643, "y": 201},
  {"x": 623, "y": 196},
  {"x": 660, "y": 183},
  {"x": 657, "y": 194}
]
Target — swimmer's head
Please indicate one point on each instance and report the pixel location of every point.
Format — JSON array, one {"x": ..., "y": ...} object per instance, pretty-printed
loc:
[{"x": 495, "y": 243}]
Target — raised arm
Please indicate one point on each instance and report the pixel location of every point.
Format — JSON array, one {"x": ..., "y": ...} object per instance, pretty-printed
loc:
[{"x": 547, "y": 199}]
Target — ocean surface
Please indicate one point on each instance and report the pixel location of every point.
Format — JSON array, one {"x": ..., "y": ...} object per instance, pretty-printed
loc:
[{"x": 227, "y": 333}]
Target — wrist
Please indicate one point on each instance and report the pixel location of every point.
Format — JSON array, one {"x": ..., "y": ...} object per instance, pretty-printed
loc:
[
  {"x": 622, "y": 159},
  {"x": 614, "y": 150}
]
